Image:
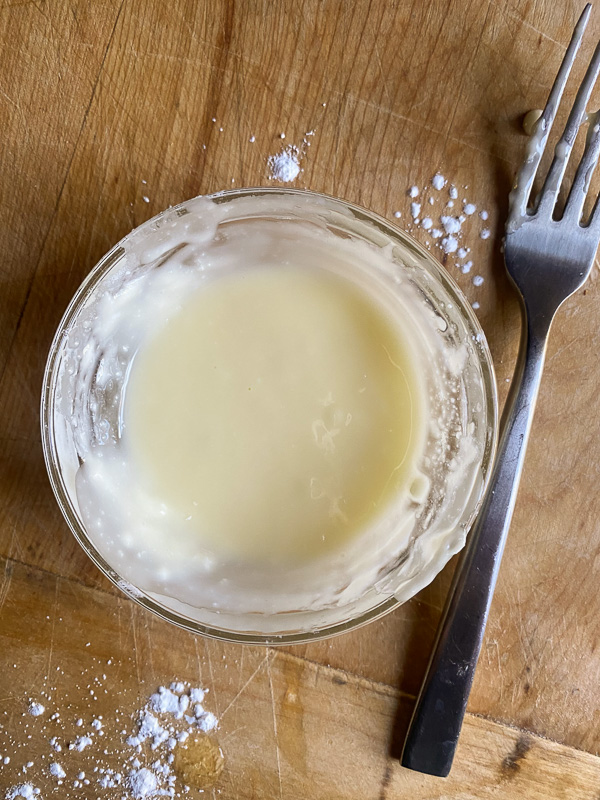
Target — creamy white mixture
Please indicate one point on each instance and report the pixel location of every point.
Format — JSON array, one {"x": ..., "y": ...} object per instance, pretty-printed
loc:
[{"x": 266, "y": 415}]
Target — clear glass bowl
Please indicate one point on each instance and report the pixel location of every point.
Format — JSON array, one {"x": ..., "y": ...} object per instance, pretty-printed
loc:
[{"x": 451, "y": 507}]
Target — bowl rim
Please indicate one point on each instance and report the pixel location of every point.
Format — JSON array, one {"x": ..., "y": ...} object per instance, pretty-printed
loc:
[{"x": 389, "y": 603}]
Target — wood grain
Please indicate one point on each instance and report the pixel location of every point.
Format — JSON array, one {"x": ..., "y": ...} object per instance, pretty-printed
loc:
[{"x": 97, "y": 98}]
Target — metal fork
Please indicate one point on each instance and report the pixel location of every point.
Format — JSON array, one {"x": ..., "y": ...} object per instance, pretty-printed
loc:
[{"x": 547, "y": 260}]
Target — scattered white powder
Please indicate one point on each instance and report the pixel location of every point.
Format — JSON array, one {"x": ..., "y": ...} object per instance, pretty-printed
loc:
[
  {"x": 166, "y": 701},
  {"x": 449, "y": 244},
  {"x": 252, "y": 139},
  {"x": 477, "y": 280},
  {"x": 475, "y": 305},
  {"x": 80, "y": 743},
  {"x": 25, "y": 790},
  {"x": 451, "y": 225},
  {"x": 142, "y": 783},
  {"x": 285, "y": 166},
  {"x": 446, "y": 230},
  {"x": 145, "y": 758},
  {"x": 207, "y": 721},
  {"x": 57, "y": 771},
  {"x": 282, "y": 135},
  {"x": 36, "y": 709},
  {"x": 197, "y": 695}
]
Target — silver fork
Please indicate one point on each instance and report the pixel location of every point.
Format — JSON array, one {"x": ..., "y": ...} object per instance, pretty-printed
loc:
[{"x": 547, "y": 261}]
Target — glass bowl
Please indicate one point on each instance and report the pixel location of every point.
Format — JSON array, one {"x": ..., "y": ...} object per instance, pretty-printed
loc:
[{"x": 452, "y": 499}]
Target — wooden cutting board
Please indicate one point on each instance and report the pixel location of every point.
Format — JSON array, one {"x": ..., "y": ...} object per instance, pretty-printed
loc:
[{"x": 112, "y": 111}]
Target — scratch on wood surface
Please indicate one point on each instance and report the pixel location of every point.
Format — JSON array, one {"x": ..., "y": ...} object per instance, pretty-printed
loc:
[
  {"x": 6, "y": 581},
  {"x": 380, "y": 65},
  {"x": 135, "y": 645},
  {"x": 467, "y": 71},
  {"x": 207, "y": 644},
  {"x": 504, "y": 10},
  {"x": 245, "y": 686},
  {"x": 271, "y": 654},
  {"x": 149, "y": 649},
  {"x": 53, "y": 624}
]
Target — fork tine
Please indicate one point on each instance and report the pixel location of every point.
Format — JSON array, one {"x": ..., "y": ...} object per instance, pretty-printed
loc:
[
  {"x": 526, "y": 176},
  {"x": 585, "y": 170},
  {"x": 563, "y": 149}
]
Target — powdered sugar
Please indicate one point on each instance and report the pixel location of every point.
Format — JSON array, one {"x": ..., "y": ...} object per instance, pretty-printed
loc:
[
  {"x": 447, "y": 230},
  {"x": 146, "y": 755},
  {"x": 285, "y": 166},
  {"x": 449, "y": 244},
  {"x": 142, "y": 783},
  {"x": 36, "y": 709},
  {"x": 80, "y": 743},
  {"x": 25, "y": 790},
  {"x": 57, "y": 771}
]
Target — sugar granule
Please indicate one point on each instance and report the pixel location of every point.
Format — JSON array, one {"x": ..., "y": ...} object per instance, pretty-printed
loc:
[
  {"x": 413, "y": 191},
  {"x": 36, "y": 709},
  {"x": 438, "y": 181},
  {"x": 485, "y": 233}
]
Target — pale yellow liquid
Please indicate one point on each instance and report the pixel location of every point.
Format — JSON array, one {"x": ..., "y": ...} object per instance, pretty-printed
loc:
[{"x": 277, "y": 413}]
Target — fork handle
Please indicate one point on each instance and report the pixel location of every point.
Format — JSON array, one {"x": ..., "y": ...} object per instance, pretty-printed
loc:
[{"x": 440, "y": 708}]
